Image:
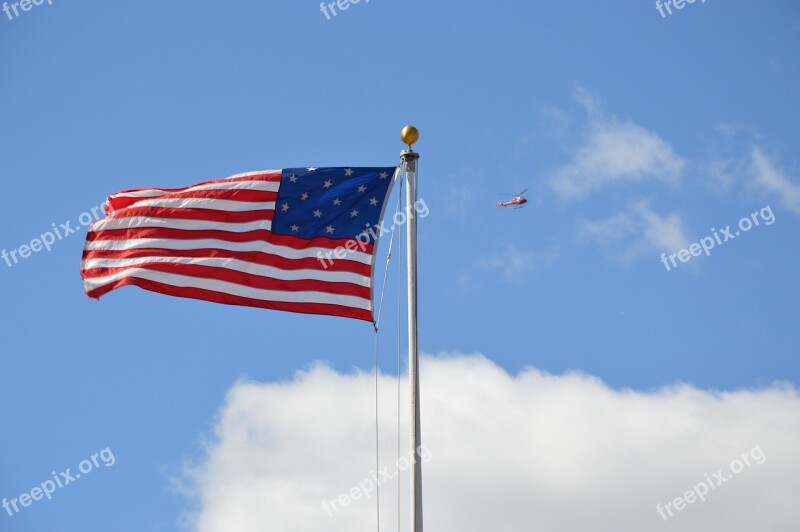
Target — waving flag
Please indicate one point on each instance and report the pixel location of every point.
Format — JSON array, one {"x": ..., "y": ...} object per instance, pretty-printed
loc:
[{"x": 298, "y": 239}]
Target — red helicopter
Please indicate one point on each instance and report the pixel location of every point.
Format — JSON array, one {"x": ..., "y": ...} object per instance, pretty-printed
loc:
[{"x": 517, "y": 201}]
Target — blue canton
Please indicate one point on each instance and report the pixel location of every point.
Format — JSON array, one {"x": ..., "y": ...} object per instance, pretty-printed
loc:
[{"x": 330, "y": 202}]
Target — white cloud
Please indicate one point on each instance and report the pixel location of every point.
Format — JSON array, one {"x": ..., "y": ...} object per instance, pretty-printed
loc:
[
  {"x": 563, "y": 453},
  {"x": 724, "y": 174},
  {"x": 661, "y": 232},
  {"x": 609, "y": 230},
  {"x": 643, "y": 228},
  {"x": 513, "y": 263},
  {"x": 516, "y": 263},
  {"x": 771, "y": 180},
  {"x": 615, "y": 151}
]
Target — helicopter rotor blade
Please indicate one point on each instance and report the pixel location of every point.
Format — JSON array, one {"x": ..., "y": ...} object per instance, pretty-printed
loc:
[{"x": 523, "y": 192}]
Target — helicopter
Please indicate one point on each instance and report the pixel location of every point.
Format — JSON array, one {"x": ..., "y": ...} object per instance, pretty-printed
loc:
[{"x": 518, "y": 201}]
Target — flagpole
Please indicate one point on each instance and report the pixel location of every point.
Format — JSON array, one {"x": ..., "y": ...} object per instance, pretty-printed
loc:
[{"x": 409, "y": 158}]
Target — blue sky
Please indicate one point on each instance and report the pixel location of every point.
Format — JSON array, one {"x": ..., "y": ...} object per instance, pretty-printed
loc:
[{"x": 634, "y": 133}]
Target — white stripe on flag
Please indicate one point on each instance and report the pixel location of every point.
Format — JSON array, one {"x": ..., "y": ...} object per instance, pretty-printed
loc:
[
  {"x": 135, "y": 222},
  {"x": 212, "y": 243},
  {"x": 237, "y": 265},
  {"x": 207, "y": 203},
  {"x": 225, "y": 287},
  {"x": 264, "y": 186}
]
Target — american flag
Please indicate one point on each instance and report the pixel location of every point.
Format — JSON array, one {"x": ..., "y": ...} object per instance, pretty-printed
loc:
[{"x": 298, "y": 239}]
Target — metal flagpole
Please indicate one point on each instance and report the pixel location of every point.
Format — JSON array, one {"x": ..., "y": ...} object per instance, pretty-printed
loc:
[{"x": 409, "y": 158}]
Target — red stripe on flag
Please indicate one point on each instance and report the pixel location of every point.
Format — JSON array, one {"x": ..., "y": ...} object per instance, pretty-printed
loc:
[
  {"x": 229, "y": 236},
  {"x": 228, "y": 299},
  {"x": 181, "y": 213},
  {"x": 256, "y": 257},
  {"x": 244, "y": 279},
  {"x": 120, "y": 200}
]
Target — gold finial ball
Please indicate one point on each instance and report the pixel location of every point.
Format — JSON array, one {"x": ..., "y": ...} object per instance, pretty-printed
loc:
[{"x": 409, "y": 135}]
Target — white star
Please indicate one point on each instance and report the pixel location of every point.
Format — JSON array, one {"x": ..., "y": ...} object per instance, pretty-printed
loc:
[
  {"x": 337, "y": 201},
  {"x": 304, "y": 196},
  {"x": 295, "y": 228},
  {"x": 285, "y": 207},
  {"x": 328, "y": 184},
  {"x": 362, "y": 188},
  {"x": 293, "y": 178},
  {"x": 318, "y": 214},
  {"x": 329, "y": 229},
  {"x": 311, "y": 169},
  {"x": 348, "y": 172},
  {"x": 353, "y": 213},
  {"x": 384, "y": 175},
  {"x": 373, "y": 202}
]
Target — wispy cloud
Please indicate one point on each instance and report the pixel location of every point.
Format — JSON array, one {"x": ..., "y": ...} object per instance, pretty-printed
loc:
[
  {"x": 665, "y": 232},
  {"x": 724, "y": 173},
  {"x": 772, "y": 180},
  {"x": 609, "y": 230},
  {"x": 615, "y": 151},
  {"x": 516, "y": 263},
  {"x": 565, "y": 452},
  {"x": 639, "y": 229},
  {"x": 729, "y": 158}
]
